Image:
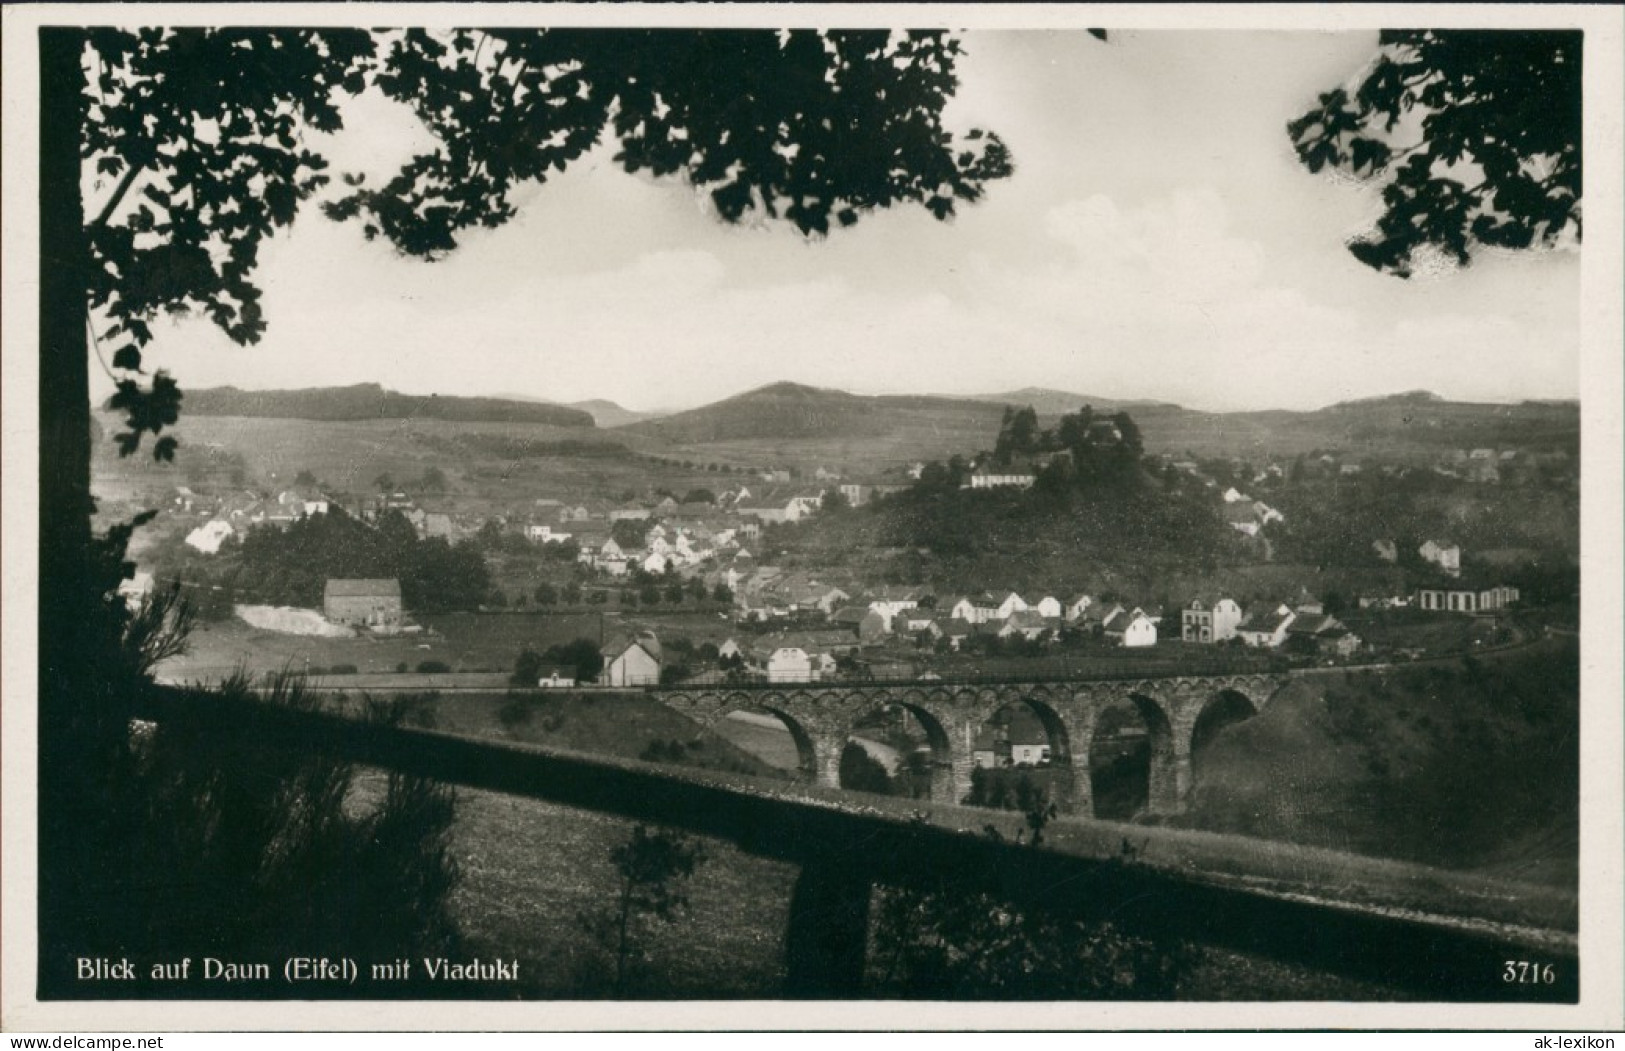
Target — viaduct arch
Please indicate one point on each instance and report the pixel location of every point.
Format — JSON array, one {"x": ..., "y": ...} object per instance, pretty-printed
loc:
[{"x": 821, "y": 717}]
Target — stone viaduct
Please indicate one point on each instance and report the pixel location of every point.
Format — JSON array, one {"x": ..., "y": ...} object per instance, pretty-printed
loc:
[{"x": 822, "y": 715}]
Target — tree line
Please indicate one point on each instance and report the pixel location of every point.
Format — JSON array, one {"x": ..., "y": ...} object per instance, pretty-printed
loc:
[{"x": 292, "y": 566}]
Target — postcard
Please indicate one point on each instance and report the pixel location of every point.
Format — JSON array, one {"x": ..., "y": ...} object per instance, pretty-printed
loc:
[{"x": 812, "y": 517}]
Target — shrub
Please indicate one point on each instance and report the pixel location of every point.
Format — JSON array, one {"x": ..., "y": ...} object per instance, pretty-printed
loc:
[
  {"x": 515, "y": 713},
  {"x": 433, "y": 667}
]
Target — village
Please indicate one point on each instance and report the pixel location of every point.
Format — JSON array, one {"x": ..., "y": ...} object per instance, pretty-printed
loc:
[{"x": 750, "y": 619}]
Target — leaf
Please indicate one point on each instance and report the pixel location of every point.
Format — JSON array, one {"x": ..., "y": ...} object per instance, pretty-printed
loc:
[{"x": 127, "y": 357}]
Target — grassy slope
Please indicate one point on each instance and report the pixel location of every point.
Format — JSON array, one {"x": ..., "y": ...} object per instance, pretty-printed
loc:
[
  {"x": 1000, "y": 538},
  {"x": 1425, "y": 764}
]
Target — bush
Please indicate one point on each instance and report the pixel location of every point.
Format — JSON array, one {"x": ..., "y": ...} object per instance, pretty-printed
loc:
[
  {"x": 514, "y": 714},
  {"x": 433, "y": 667},
  {"x": 950, "y": 940},
  {"x": 342, "y": 669}
]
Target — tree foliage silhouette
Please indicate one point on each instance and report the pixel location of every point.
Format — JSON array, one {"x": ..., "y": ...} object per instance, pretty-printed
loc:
[
  {"x": 1475, "y": 133},
  {"x": 192, "y": 142}
]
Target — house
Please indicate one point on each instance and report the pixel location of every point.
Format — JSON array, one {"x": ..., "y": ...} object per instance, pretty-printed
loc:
[
  {"x": 1266, "y": 628},
  {"x": 1076, "y": 607},
  {"x": 1029, "y": 624},
  {"x": 1048, "y": 606},
  {"x": 632, "y": 662},
  {"x": 1322, "y": 634},
  {"x": 1016, "y": 738},
  {"x": 914, "y": 624},
  {"x": 1132, "y": 630},
  {"x": 867, "y": 624},
  {"x": 629, "y": 512},
  {"x": 1209, "y": 620},
  {"x": 856, "y": 493},
  {"x": 988, "y": 476},
  {"x": 545, "y": 534},
  {"x": 1446, "y": 556},
  {"x": 208, "y": 537},
  {"x": 556, "y": 677},
  {"x": 1308, "y": 603},
  {"x": 975, "y": 609},
  {"x": 372, "y": 603},
  {"x": 1466, "y": 598},
  {"x": 1011, "y": 603},
  {"x": 890, "y": 601},
  {"x": 780, "y": 505}
]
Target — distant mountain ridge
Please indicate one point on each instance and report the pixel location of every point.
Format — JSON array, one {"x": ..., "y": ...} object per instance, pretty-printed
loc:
[
  {"x": 1414, "y": 421},
  {"x": 793, "y": 410},
  {"x": 604, "y": 412},
  {"x": 370, "y": 401}
]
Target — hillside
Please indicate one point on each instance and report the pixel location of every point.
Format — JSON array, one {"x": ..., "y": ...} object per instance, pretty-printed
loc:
[
  {"x": 1131, "y": 541},
  {"x": 605, "y": 413},
  {"x": 369, "y": 401},
  {"x": 807, "y": 426},
  {"x": 783, "y": 411},
  {"x": 1472, "y": 767}
]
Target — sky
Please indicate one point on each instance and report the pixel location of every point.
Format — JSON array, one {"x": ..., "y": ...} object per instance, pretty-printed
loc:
[{"x": 1158, "y": 240}]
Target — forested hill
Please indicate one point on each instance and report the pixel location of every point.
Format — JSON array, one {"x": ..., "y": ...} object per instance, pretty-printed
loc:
[{"x": 369, "y": 401}]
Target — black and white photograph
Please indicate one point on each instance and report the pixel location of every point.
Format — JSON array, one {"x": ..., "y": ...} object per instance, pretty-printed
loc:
[{"x": 781, "y": 517}]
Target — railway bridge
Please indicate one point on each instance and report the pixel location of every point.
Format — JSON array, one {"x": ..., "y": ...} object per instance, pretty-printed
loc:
[{"x": 822, "y": 716}]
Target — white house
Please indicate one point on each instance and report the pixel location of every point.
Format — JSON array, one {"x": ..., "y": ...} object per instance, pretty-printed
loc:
[
  {"x": 1266, "y": 629},
  {"x": 632, "y": 663},
  {"x": 208, "y": 537},
  {"x": 1132, "y": 630},
  {"x": 1012, "y": 603},
  {"x": 1209, "y": 620},
  {"x": 789, "y": 664},
  {"x": 998, "y": 478},
  {"x": 545, "y": 534},
  {"x": 1446, "y": 556},
  {"x": 1077, "y": 606},
  {"x": 1048, "y": 606},
  {"x": 556, "y": 678}
]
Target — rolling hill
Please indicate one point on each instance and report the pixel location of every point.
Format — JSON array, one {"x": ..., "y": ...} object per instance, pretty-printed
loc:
[
  {"x": 797, "y": 423},
  {"x": 605, "y": 413},
  {"x": 793, "y": 411},
  {"x": 369, "y": 401}
]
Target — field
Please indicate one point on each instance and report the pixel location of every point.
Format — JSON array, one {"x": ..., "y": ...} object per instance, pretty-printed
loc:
[
  {"x": 471, "y": 642},
  {"x": 488, "y": 466}
]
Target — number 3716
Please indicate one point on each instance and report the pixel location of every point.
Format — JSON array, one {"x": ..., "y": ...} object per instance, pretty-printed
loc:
[{"x": 1523, "y": 972}]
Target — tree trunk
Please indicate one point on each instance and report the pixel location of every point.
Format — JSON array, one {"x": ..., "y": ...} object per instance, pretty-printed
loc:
[{"x": 64, "y": 478}]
